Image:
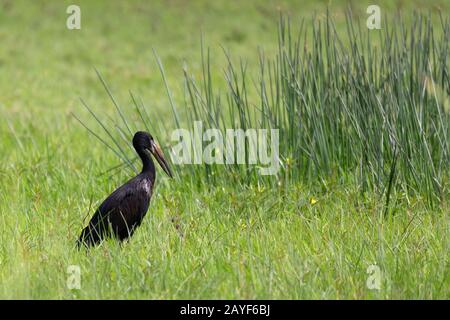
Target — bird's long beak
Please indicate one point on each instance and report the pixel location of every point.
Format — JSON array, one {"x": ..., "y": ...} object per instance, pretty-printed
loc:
[{"x": 158, "y": 154}]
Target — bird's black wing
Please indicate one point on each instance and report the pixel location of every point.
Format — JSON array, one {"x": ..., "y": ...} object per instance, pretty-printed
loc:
[{"x": 120, "y": 213}]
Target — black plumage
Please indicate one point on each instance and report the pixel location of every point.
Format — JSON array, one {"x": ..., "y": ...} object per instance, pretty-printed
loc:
[{"x": 122, "y": 212}]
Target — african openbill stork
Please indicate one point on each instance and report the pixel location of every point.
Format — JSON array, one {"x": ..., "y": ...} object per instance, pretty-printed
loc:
[{"x": 122, "y": 212}]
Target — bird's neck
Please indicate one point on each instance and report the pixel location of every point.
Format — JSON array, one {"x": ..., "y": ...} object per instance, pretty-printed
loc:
[{"x": 147, "y": 163}]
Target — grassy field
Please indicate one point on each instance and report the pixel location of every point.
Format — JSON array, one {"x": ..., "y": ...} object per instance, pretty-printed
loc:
[{"x": 298, "y": 240}]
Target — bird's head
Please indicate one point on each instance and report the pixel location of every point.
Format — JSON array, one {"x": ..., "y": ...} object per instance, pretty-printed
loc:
[{"x": 144, "y": 141}]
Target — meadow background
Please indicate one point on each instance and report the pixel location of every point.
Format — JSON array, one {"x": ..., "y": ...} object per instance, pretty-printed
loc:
[{"x": 222, "y": 240}]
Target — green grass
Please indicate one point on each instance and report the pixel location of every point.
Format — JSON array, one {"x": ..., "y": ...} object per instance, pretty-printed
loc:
[
  {"x": 193, "y": 248},
  {"x": 242, "y": 240}
]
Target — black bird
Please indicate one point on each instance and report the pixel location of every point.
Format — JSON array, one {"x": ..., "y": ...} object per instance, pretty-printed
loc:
[{"x": 122, "y": 212}]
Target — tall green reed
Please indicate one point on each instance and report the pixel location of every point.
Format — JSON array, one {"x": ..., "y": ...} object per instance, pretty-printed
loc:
[{"x": 370, "y": 107}]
